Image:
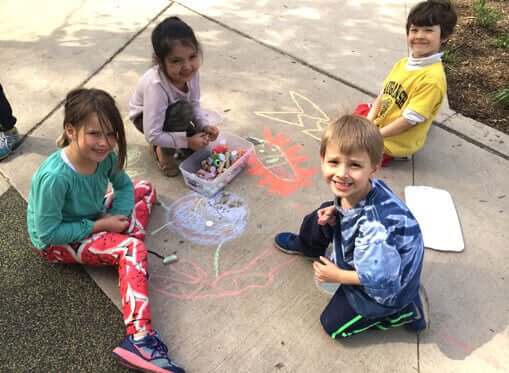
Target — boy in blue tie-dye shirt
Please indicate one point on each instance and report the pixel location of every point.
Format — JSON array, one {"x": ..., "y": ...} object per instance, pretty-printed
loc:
[{"x": 377, "y": 244}]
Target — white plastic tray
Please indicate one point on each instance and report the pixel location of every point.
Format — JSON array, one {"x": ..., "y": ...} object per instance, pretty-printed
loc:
[{"x": 435, "y": 212}]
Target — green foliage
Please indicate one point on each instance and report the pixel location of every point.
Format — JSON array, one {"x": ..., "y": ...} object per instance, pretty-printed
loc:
[
  {"x": 501, "y": 41},
  {"x": 502, "y": 97},
  {"x": 485, "y": 16},
  {"x": 450, "y": 56}
]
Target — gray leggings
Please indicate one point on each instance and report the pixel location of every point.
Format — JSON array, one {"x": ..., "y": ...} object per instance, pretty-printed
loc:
[{"x": 179, "y": 117}]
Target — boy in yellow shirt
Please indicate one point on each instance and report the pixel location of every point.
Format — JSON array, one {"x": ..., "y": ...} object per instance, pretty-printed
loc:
[{"x": 416, "y": 86}]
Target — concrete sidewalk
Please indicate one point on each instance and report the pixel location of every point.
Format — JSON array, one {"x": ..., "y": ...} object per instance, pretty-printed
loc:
[{"x": 276, "y": 70}]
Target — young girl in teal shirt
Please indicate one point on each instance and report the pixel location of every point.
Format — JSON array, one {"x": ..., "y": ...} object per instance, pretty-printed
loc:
[{"x": 71, "y": 219}]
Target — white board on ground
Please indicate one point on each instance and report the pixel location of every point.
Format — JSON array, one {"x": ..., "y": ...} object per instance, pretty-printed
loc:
[{"x": 435, "y": 212}]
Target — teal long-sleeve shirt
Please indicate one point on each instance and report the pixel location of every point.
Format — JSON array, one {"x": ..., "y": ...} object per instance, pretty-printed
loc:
[{"x": 63, "y": 204}]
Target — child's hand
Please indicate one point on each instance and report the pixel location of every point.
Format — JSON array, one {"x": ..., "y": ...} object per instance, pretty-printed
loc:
[
  {"x": 212, "y": 132},
  {"x": 115, "y": 223},
  {"x": 327, "y": 215},
  {"x": 118, "y": 223},
  {"x": 325, "y": 270},
  {"x": 198, "y": 141}
]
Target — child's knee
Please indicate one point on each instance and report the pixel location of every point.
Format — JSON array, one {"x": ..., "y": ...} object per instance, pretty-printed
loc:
[{"x": 145, "y": 185}]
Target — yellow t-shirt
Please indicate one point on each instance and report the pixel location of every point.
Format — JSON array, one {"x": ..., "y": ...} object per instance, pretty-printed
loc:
[{"x": 422, "y": 91}]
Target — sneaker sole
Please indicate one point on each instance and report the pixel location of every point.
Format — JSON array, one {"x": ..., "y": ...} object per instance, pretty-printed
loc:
[
  {"x": 133, "y": 361},
  {"x": 16, "y": 145},
  {"x": 5, "y": 156},
  {"x": 289, "y": 252}
]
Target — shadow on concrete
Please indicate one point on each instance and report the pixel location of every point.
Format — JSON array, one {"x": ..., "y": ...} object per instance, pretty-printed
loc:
[
  {"x": 468, "y": 307},
  {"x": 343, "y": 41}
]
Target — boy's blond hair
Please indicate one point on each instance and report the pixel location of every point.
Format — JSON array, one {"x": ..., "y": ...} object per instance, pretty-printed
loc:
[{"x": 351, "y": 134}]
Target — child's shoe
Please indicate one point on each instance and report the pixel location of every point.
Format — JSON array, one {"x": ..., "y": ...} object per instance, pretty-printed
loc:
[
  {"x": 285, "y": 242},
  {"x": 165, "y": 158},
  {"x": 424, "y": 321},
  {"x": 9, "y": 140},
  {"x": 149, "y": 354}
]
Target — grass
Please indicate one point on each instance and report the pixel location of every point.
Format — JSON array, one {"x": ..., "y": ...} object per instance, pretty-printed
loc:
[
  {"x": 501, "y": 41},
  {"x": 502, "y": 97},
  {"x": 485, "y": 16},
  {"x": 450, "y": 56}
]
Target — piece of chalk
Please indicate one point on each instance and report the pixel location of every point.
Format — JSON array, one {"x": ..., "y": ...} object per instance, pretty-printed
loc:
[{"x": 170, "y": 259}]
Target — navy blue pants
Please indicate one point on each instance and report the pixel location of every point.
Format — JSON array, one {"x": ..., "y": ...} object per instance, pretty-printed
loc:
[
  {"x": 7, "y": 120},
  {"x": 338, "y": 318}
]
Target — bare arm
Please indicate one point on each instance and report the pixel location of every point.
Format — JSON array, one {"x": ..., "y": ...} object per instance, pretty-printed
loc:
[
  {"x": 395, "y": 127},
  {"x": 375, "y": 109}
]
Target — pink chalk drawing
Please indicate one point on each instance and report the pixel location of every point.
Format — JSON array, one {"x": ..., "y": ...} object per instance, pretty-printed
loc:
[
  {"x": 187, "y": 280},
  {"x": 306, "y": 111},
  {"x": 277, "y": 163}
]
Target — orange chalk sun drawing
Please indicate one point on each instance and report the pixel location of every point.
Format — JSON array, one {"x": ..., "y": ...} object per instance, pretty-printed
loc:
[{"x": 277, "y": 163}]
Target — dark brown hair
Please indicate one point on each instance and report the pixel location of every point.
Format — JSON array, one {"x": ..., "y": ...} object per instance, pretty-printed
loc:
[
  {"x": 351, "y": 134},
  {"x": 431, "y": 13},
  {"x": 169, "y": 33},
  {"x": 80, "y": 103}
]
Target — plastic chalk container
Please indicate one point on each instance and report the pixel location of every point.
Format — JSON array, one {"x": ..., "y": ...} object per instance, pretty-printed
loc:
[{"x": 192, "y": 164}]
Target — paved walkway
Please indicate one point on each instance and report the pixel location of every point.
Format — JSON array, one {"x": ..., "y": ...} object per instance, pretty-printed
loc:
[{"x": 277, "y": 70}]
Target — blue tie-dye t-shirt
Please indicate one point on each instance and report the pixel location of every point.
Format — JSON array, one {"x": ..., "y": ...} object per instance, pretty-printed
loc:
[{"x": 381, "y": 240}]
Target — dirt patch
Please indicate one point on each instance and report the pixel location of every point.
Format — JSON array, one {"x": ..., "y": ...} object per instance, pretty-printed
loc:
[{"x": 476, "y": 68}]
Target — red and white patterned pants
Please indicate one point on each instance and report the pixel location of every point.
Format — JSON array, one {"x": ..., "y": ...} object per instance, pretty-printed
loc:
[{"x": 126, "y": 250}]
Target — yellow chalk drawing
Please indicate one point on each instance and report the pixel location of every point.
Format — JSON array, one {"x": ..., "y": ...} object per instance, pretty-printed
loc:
[{"x": 306, "y": 112}]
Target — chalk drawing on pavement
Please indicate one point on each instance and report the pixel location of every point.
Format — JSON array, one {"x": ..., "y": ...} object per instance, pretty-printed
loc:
[
  {"x": 277, "y": 163},
  {"x": 187, "y": 280},
  {"x": 306, "y": 113}
]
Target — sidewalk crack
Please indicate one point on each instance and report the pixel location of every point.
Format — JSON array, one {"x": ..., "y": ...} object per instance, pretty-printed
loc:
[
  {"x": 418, "y": 354},
  {"x": 97, "y": 70}
]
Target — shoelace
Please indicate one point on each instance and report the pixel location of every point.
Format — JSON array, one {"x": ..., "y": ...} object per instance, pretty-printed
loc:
[
  {"x": 155, "y": 344},
  {"x": 3, "y": 141}
]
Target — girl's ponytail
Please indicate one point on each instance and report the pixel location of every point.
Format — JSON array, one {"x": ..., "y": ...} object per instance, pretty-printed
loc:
[{"x": 62, "y": 140}]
